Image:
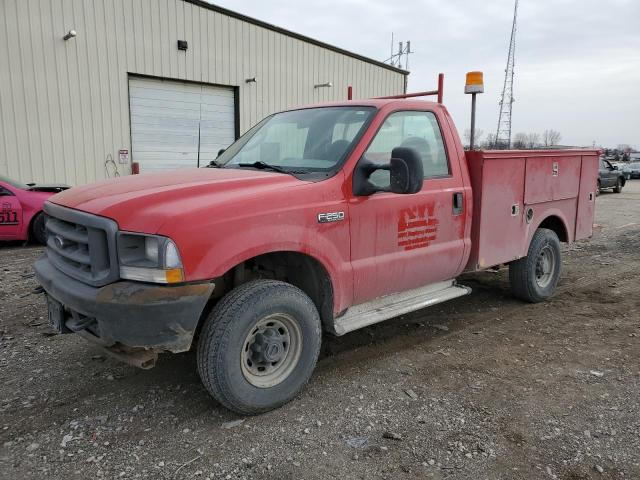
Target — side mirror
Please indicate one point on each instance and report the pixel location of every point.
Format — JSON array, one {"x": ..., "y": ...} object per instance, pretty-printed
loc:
[
  {"x": 405, "y": 173},
  {"x": 221, "y": 151},
  {"x": 615, "y": 167}
]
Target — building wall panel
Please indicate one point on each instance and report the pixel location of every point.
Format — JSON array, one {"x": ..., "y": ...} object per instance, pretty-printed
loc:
[{"x": 64, "y": 105}]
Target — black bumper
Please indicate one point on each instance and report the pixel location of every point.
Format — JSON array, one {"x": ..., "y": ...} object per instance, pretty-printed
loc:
[{"x": 130, "y": 313}]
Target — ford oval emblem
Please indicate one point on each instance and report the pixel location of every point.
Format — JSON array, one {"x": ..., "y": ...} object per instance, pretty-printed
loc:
[{"x": 59, "y": 242}]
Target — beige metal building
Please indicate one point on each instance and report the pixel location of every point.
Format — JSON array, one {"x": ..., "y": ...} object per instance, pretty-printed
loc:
[{"x": 75, "y": 109}]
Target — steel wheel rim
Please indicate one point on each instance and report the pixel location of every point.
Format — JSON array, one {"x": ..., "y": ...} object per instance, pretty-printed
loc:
[
  {"x": 271, "y": 350},
  {"x": 545, "y": 266}
]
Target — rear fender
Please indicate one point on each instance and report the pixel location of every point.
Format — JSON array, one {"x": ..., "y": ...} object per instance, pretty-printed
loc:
[{"x": 545, "y": 216}]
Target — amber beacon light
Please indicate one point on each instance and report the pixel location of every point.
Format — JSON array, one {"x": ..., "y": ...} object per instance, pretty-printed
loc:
[{"x": 473, "y": 85}]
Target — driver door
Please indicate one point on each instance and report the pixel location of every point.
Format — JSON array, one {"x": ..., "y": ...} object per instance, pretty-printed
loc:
[
  {"x": 612, "y": 175},
  {"x": 404, "y": 241},
  {"x": 606, "y": 174},
  {"x": 10, "y": 215}
]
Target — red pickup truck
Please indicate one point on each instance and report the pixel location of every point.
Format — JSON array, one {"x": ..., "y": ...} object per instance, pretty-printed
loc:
[{"x": 321, "y": 219}]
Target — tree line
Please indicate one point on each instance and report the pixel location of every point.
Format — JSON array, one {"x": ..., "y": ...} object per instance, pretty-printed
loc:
[{"x": 520, "y": 141}]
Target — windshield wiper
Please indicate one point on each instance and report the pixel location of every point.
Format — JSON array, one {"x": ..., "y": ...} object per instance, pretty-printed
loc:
[{"x": 267, "y": 166}]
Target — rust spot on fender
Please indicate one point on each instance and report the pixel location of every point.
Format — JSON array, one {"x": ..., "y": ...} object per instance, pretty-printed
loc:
[
  {"x": 140, "y": 294},
  {"x": 417, "y": 227}
]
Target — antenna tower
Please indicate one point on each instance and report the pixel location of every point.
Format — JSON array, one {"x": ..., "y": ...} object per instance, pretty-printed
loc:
[
  {"x": 404, "y": 49},
  {"x": 503, "y": 132}
]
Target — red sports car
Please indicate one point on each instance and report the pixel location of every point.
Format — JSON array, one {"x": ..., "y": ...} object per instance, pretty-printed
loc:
[{"x": 21, "y": 216}]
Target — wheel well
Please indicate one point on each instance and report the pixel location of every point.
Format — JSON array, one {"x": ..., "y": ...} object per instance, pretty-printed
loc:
[
  {"x": 557, "y": 225},
  {"x": 298, "y": 269}
]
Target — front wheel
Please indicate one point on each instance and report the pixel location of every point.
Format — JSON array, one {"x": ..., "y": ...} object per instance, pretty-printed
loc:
[
  {"x": 259, "y": 346},
  {"x": 618, "y": 187},
  {"x": 38, "y": 229},
  {"x": 534, "y": 278}
]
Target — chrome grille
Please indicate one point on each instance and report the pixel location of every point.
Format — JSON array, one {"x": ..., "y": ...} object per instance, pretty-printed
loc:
[{"x": 81, "y": 245}]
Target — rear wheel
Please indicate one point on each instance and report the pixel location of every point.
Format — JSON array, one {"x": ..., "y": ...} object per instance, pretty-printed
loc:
[
  {"x": 618, "y": 187},
  {"x": 259, "y": 346},
  {"x": 38, "y": 229},
  {"x": 534, "y": 278}
]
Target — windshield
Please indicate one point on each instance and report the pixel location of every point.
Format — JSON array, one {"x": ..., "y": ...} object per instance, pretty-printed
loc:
[
  {"x": 13, "y": 183},
  {"x": 311, "y": 140}
]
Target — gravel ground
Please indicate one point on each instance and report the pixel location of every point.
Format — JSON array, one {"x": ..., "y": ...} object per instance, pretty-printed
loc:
[{"x": 484, "y": 387}]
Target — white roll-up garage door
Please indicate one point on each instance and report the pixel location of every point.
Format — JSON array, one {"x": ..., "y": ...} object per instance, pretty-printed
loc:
[{"x": 178, "y": 124}]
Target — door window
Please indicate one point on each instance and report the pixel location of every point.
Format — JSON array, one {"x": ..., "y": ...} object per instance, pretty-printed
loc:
[{"x": 417, "y": 130}]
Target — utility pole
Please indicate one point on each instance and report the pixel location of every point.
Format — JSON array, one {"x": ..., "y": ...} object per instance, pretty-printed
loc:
[{"x": 503, "y": 132}]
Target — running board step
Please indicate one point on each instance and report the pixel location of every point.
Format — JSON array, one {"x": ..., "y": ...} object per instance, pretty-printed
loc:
[{"x": 396, "y": 304}]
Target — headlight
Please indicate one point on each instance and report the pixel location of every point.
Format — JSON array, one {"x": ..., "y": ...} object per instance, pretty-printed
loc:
[{"x": 149, "y": 258}]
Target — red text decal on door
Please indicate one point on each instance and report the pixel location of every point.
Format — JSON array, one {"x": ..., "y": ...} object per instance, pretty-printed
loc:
[{"x": 417, "y": 227}]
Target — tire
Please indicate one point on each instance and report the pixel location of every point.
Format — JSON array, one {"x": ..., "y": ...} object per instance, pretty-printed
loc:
[
  {"x": 38, "y": 230},
  {"x": 231, "y": 353},
  {"x": 534, "y": 278},
  {"x": 618, "y": 187}
]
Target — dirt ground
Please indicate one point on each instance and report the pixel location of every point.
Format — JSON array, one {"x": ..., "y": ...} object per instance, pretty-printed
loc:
[{"x": 484, "y": 387}]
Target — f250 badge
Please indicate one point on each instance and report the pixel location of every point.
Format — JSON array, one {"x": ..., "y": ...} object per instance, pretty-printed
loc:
[{"x": 330, "y": 217}]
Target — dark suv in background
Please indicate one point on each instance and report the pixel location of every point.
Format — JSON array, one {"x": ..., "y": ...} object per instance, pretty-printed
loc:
[{"x": 610, "y": 177}]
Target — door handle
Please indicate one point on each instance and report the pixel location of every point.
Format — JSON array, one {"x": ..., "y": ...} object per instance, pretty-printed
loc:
[{"x": 458, "y": 203}]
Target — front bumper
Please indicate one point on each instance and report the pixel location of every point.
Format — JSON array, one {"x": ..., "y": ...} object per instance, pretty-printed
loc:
[{"x": 132, "y": 314}]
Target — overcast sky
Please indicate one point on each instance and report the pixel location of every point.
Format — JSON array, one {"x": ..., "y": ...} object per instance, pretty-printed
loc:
[{"x": 577, "y": 61}]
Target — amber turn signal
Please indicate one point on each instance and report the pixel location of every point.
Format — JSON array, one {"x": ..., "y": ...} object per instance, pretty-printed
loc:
[{"x": 174, "y": 275}]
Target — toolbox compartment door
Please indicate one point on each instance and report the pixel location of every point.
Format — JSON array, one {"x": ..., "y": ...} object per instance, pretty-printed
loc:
[
  {"x": 551, "y": 178},
  {"x": 501, "y": 231},
  {"x": 497, "y": 231}
]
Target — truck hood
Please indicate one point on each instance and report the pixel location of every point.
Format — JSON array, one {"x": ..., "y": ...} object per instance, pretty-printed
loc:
[{"x": 144, "y": 202}]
